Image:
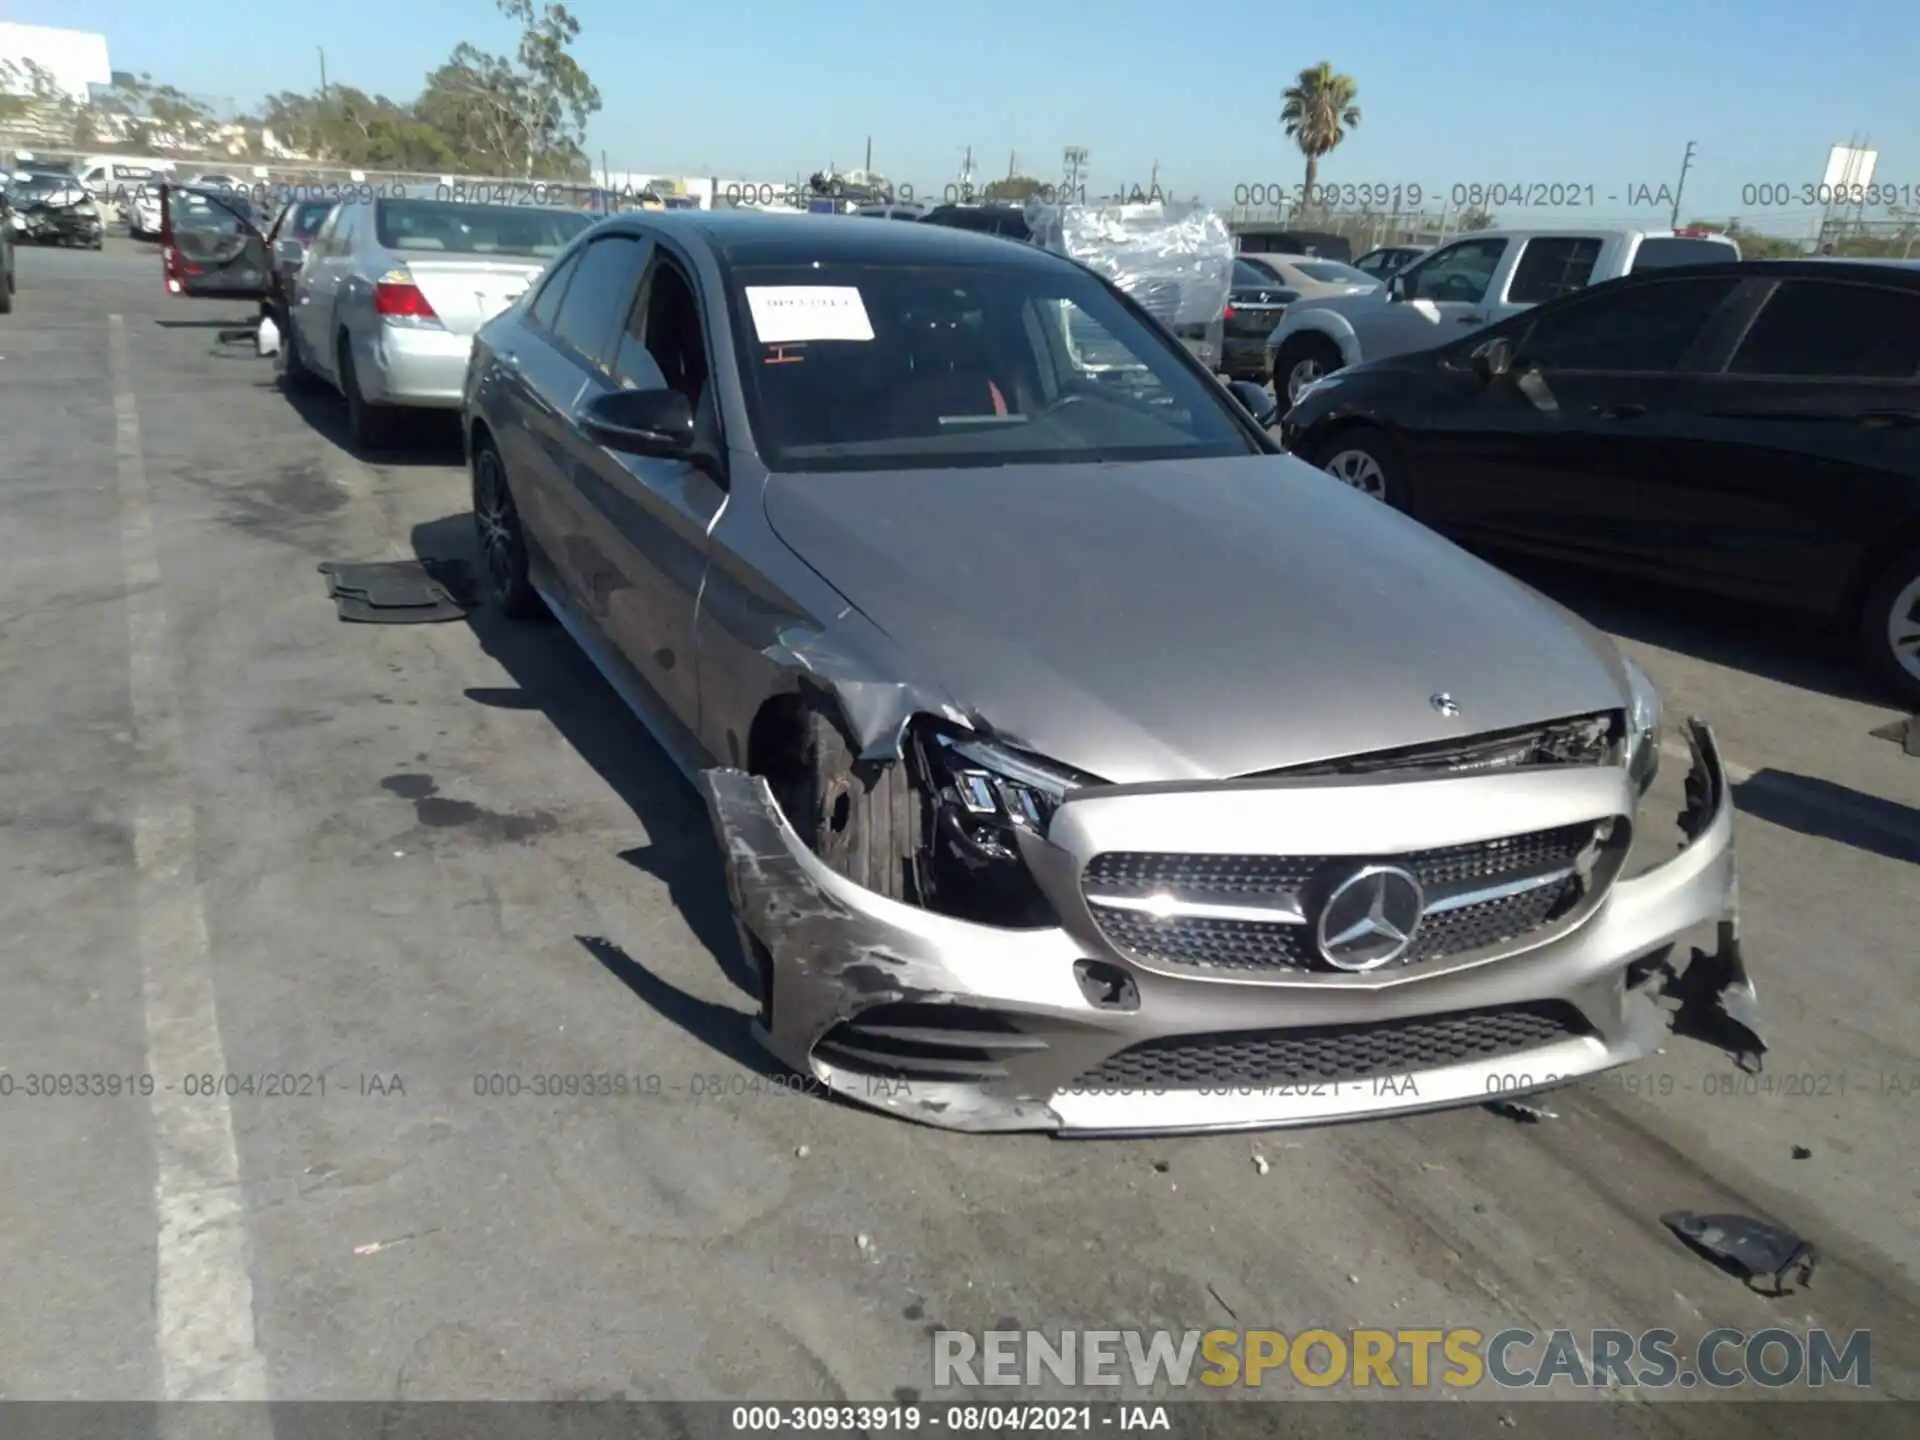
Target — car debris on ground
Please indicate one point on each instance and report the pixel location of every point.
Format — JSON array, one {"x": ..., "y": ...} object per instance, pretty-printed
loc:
[{"x": 1747, "y": 1247}]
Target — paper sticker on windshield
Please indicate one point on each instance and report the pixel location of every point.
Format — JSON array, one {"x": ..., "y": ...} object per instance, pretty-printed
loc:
[{"x": 786, "y": 314}]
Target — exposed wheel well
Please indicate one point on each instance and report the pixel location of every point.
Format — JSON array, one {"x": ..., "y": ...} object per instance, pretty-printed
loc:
[{"x": 775, "y": 738}]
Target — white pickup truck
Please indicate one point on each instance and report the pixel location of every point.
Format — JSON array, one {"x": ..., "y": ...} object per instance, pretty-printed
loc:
[{"x": 1474, "y": 281}]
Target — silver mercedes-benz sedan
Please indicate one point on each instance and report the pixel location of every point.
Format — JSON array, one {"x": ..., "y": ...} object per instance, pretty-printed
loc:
[
  {"x": 386, "y": 299},
  {"x": 1079, "y": 762}
]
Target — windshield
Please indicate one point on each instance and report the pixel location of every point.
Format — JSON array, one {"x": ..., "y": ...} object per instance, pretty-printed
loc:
[
  {"x": 926, "y": 367},
  {"x": 1661, "y": 252},
  {"x": 461, "y": 228},
  {"x": 1328, "y": 272}
]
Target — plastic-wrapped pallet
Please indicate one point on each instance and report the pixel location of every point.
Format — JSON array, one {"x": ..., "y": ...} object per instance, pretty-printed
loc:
[{"x": 1174, "y": 259}]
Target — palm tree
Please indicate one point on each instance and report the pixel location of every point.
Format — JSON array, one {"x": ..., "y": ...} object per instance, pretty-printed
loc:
[{"x": 1317, "y": 110}]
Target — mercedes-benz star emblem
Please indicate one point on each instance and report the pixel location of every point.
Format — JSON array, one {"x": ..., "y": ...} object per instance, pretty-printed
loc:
[
  {"x": 1370, "y": 918},
  {"x": 1444, "y": 703}
]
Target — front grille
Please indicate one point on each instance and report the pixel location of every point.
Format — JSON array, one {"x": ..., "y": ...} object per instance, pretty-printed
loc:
[
  {"x": 1327, "y": 1053},
  {"x": 929, "y": 1043},
  {"x": 1242, "y": 944}
]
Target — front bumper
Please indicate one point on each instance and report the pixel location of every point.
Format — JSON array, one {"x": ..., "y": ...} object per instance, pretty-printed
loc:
[
  {"x": 424, "y": 369},
  {"x": 1026, "y": 1000}
]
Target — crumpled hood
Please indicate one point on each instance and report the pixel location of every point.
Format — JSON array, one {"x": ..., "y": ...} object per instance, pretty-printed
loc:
[{"x": 1180, "y": 620}]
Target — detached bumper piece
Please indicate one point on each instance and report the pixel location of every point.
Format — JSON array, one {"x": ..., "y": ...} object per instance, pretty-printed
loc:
[{"x": 1103, "y": 1024}]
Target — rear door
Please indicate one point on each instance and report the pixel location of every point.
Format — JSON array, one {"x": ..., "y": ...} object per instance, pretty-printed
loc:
[
  {"x": 1801, "y": 457},
  {"x": 1566, "y": 454},
  {"x": 210, "y": 245}
]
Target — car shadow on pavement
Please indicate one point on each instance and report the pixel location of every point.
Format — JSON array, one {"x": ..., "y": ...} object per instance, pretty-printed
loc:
[
  {"x": 553, "y": 675},
  {"x": 1792, "y": 648},
  {"x": 429, "y": 438},
  {"x": 727, "y": 1031},
  {"x": 1827, "y": 811},
  {"x": 232, "y": 322}
]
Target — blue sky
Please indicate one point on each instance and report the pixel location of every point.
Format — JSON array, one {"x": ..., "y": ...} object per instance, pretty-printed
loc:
[{"x": 1512, "y": 92}]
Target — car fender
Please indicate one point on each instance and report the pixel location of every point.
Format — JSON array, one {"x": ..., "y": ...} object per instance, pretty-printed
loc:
[{"x": 1304, "y": 320}]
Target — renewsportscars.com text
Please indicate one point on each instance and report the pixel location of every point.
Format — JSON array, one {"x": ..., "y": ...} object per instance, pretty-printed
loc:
[{"x": 1458, "y": 1358}]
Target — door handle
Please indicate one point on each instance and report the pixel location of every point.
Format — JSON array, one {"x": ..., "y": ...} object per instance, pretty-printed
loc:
[
  {"x": 1619, "y": 412},
  {"x": 1472, "y": 320}
]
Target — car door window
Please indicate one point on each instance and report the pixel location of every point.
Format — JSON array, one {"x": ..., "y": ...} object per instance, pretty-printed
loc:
[
  {"x": 1461, "y": 272},
  {"x": 596, "y": 298},
  {"x": 1830, "y": 329},
  {"x": 662, "y": 342},
  {"x": 546, "y": 304},
  {"x": 1551, "y": 266},
  {"x": 1644, "y": 329}
]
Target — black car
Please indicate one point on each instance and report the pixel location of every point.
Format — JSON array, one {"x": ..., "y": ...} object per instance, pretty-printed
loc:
[
  {"x": 989, "y": 219},
  {"x": 1255, "y": 305},
  {"x": 1751, "y": 429},
  {"x": 1259, "y": 240}
]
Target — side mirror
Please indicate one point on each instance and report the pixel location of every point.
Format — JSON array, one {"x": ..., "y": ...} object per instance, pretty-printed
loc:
[
  {"x": 1256, "y": 401},
  {"x": 289, "y": 253},
  {"x": 1493, "y": 360},
  {"x": 1396, "y": 286},
  {"x": 641, "y": 422}
]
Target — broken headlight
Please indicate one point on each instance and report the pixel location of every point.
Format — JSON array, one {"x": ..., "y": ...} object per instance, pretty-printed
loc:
[
  {"x": 1643, "y": 727},
  {"x": 984, "y": 794}
]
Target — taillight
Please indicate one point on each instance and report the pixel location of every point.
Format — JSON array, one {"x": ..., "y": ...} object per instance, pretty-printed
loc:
[
  {"x": 1228, "y": 314},
  {"x": 401, "y": 300}
]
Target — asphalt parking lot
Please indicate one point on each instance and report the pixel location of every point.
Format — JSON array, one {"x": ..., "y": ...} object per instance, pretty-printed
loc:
[{"x": 239, "y": 837}]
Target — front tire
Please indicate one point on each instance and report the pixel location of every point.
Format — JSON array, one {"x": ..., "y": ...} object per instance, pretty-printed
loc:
[
  {"x": 1366, "y": 460},
  {"x": 1302, "y": 360},
  {"x": 1889, "y": 627},
  {"x": 503, "y": 541},
  {"x": 862, "y": 818}
]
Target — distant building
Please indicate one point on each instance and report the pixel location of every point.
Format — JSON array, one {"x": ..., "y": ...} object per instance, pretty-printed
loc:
[{"x": 75, "y": 60}]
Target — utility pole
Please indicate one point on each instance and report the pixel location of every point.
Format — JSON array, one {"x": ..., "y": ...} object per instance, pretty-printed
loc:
[
  {"x": 323, "y": 72},
  {"x": 1686, "y": 164},
  {"x": 869, "y": 166},
  {"x": 1075, "y": 160},
  {"x": 1011, "y": 158}
]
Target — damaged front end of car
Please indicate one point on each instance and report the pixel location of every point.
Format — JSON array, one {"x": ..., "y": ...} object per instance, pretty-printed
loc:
[{"x": 1002, "y": 995}]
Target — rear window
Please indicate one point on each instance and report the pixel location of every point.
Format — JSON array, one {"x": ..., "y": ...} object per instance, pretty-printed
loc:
[
  {"x": 1660, "y": 252},
  {"x": 307, "y": 218},
  {"x": 1328, "y": 273},
  {"x": 192, "y": 211},
  {"x": 459, "y": 228}
]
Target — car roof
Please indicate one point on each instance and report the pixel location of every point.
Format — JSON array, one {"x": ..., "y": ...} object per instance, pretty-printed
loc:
[
  {"x": 1905, "y": 273},
  {"x": 771, "y": 238}
]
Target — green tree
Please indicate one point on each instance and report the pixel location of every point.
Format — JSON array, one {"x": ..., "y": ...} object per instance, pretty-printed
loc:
[
  {"x": 524, "y": 115},
  {"x": 1015, "y": 188},
  {"x": 1475, "y": 219},
  {"x": 1317, "y": 111}
]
